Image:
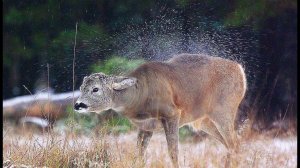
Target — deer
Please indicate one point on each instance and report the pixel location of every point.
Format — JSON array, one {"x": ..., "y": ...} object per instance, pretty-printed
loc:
[{"x": 198, "y": 90}]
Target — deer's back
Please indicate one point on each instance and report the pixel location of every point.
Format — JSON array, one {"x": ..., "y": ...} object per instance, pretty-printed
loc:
[{"x": 195, "y": 83}]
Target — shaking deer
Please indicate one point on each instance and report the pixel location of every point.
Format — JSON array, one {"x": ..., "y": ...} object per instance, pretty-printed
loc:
[{"x": 189, "y": 89}]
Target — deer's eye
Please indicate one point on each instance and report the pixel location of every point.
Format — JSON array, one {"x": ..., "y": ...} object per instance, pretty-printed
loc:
[{"x": 95, "y": 90}]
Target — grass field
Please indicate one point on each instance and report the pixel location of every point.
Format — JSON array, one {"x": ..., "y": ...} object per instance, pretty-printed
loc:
[{"x": 23, "y": 147}]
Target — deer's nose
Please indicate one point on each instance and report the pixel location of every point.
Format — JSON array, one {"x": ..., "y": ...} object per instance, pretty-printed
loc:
[{"x": 77, "y": 105}]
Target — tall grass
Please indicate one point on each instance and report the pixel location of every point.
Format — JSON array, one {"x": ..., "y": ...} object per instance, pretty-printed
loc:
[{"x": 102, "y": 148}]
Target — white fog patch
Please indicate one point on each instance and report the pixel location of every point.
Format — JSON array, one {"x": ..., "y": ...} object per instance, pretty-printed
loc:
[
  {"x": 41, "y": 97},
  {"x": 35, "y": 120},
  {"x": 285, "y": 144}
]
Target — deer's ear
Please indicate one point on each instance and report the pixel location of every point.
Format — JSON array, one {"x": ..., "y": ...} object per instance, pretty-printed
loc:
[{"x": 121, "y": 83}]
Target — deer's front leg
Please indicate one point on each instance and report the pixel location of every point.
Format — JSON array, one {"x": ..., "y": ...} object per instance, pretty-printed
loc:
[
  {"x": 143, "y": 141},
  {"x": 171, "y": 131}
]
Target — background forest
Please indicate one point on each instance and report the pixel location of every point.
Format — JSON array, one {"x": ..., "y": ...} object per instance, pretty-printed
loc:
[{"x": 261, "y": 34}]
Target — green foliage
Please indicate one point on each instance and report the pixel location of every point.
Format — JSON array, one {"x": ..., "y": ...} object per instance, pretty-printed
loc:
[
  {"x": 116, "y": 65},
  {"x": 182, "y": 3},
  {"x": 246, "y": 11},
  {"x": 63, "y": 43},
  {"x": 184, "y": 132},
  {"x": 14, "y": 17},
  {"x": 16, "y": 50},
  {"x": 255, "y": 12},
  {"x": 81, "y": 122},
  {"x": 85, "y": 123},
  {"x": 119, "y": 125}
]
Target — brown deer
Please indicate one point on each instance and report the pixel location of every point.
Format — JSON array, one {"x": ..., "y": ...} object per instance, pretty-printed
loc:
[{"x": 198, "y": 90}]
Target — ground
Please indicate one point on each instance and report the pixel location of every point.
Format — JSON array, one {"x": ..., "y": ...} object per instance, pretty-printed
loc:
[{"x": 25, "y": 148}]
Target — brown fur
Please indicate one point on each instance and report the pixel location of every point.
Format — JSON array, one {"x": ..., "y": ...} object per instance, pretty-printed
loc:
[
  {"x": 195, "y": 85},
  {"x": 198, "y": 90}
]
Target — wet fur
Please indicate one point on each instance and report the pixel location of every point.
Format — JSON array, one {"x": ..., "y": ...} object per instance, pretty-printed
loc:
[{"x": 201, "y": 91}]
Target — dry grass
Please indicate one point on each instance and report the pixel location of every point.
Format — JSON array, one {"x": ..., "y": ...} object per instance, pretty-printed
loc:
[{"x": 23, "y": 147}]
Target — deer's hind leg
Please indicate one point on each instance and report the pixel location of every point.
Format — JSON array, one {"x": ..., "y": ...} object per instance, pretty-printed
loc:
[
  {"x": 209, "y": 127},
  {"x": 224, "y": 122},
  {"x": 225, "y": 126}
]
